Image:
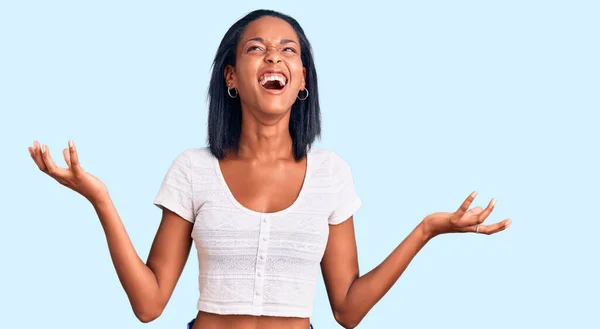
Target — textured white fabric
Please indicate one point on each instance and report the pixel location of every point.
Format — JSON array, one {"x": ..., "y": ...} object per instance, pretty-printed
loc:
[{"x": 258, "y": 263}]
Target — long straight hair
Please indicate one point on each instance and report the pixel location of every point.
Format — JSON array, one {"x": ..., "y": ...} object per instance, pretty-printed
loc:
[{"x": 225, "y": 113}]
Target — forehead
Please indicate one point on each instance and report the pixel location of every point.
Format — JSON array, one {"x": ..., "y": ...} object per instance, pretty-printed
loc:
[{"x": 269, "y": 28}]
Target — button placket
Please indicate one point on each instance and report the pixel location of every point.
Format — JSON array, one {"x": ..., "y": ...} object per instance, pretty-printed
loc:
[{"x": 263, "y": 245}]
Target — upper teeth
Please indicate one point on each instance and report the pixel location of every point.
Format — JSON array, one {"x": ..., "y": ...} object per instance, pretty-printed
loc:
[{"x": 273, "y": 77}]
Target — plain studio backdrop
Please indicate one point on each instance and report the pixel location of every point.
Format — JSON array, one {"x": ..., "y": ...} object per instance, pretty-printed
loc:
[{"x": 427, "y": 101}]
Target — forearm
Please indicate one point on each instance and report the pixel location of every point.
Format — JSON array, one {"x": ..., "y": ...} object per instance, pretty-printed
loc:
[
  {"x": 137, "y": 279},
  {"x": 368, "y": 289}
]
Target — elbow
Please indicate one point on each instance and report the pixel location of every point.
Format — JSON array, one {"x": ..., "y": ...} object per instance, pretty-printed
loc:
[
  {"x": 147, "y": 315},
  {"x": 347, "y": 320}
]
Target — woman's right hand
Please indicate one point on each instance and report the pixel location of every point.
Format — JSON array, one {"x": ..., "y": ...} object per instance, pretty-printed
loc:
[{"x": 73, "y": 177}]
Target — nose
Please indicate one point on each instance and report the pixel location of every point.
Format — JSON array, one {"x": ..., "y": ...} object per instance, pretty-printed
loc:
[{"x": 272, "y": 56}]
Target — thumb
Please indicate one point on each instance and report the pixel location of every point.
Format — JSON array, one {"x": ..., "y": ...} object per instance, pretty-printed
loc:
[
  {"x": 67, "y": 157},
  {"x": 475, "y": 211}
]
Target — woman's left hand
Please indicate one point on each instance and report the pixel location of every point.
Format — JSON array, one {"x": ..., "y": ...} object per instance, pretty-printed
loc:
[{"x": 463, "y": 220}]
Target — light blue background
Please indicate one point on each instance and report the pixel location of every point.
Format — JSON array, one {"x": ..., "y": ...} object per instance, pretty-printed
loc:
[{"x": 426, "y": 100}]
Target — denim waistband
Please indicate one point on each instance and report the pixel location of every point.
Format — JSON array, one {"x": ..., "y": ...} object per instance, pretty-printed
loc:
[{"x": 191, "y": 324}]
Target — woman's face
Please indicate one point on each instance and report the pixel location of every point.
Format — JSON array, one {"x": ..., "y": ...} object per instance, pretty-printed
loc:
[{"x": 269, "y": 72}]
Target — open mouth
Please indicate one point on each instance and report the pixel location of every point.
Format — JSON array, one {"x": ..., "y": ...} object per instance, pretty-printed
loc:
[{"x": 273, "y": 81}]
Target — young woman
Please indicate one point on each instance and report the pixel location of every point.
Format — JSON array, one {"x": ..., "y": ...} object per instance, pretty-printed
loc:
[{"x": 264, "y": 209}]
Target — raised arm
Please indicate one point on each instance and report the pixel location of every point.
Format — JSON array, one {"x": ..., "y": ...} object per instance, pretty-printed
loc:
[
  {"x": 352, "y": 296},
  {"x": 148, "y": 285}
]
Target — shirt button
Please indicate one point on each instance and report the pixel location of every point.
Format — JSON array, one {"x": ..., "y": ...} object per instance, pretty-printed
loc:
[
  {"x": 259, "y": 274},
  {"x": 265, "y": 239},
  {"x": 262, "y": 257},
  {"x": 265, "y": 219},
  {"x": 258, "y": 293}
]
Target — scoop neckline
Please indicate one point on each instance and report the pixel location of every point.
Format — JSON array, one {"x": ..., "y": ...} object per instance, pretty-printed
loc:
[{"x": 219, "y": 173}]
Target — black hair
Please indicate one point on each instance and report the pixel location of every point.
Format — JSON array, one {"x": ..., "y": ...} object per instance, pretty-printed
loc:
[{"x": 225, "y": 113}]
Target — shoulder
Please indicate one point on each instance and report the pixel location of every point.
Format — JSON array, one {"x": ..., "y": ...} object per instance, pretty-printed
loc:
[
  {"x": 330, "y": 159},
  {"x": 199, "y": 155},
  {"x": 194, "y": 156}
]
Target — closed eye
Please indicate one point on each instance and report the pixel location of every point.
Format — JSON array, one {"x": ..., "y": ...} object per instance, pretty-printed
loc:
[{"x": 252, "y": 48}]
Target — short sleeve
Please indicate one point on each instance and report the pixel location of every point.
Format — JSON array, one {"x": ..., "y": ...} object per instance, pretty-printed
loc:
[
  {"x": 175, "y": 192},
  {"x": 346, "y": 200}
]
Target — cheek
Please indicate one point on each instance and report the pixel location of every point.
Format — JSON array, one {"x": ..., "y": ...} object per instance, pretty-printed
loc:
[
  {"x": 297, "y": 74},
  {"x": 245, "y": 74},
  {"x": 244, "y": 79}
]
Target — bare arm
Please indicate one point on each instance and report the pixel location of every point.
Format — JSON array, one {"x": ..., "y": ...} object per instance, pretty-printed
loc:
[
  {"x": 148, "y": 285},
  {"x": 352, "y": 296}
]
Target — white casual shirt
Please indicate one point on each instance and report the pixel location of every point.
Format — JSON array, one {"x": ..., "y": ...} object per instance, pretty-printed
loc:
[{"x": 258, "y": 263}]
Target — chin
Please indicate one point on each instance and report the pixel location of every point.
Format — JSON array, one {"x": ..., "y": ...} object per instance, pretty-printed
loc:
[
  {"x": 275, "y": 110},
  {"x": 275, "y": 107}
]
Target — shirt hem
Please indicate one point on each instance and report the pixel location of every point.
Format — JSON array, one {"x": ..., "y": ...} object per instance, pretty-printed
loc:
[
  {"x": 349, "y": 210},
  {"x": 174, "y": 207},
  {"x": 279, "y": 311}
]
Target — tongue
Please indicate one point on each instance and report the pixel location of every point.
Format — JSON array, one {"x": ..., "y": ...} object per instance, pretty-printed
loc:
[{"x": 272, "y": 85}]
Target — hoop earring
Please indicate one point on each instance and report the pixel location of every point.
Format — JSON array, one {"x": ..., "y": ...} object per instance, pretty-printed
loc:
[
  {"x": 229, "y": 92},
  {"x": 305, "y": 97}
]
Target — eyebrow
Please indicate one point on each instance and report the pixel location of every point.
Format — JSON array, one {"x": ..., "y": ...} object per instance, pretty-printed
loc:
[{"x": 283, "y": 41}]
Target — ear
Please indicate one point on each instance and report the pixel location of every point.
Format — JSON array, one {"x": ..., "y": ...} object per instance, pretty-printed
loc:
[
  {"x": 303, "y": 79},
  {"x": 229, "y": 76}
]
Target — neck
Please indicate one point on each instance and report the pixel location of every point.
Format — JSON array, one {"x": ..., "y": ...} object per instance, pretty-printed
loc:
[{"x": 265, "y": 139}]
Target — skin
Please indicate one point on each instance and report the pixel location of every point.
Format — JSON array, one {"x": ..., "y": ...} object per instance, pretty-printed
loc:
[{"x": 263, "y": 177}]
